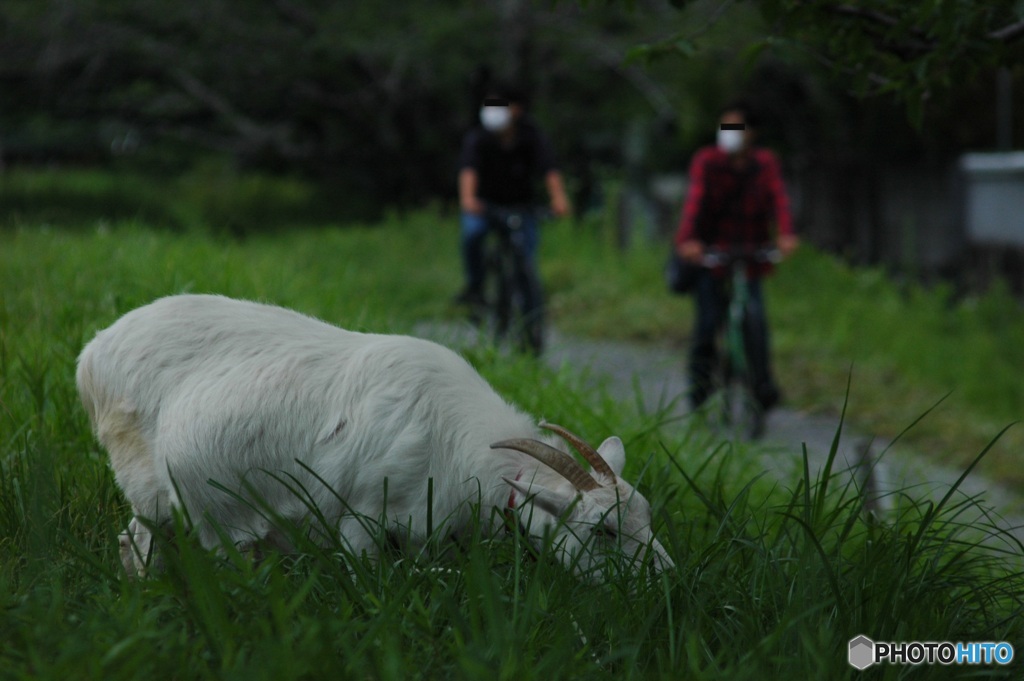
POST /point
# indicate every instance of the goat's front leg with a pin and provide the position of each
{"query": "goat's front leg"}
(137, 548)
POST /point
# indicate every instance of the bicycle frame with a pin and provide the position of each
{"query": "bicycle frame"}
(740, 407)
(515, 301)
(739, 297)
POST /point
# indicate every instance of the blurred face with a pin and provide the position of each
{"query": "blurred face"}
(495, 117)
(733, 141)
(499, 115)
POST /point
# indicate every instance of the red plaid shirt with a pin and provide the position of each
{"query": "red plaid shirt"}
(730, 208)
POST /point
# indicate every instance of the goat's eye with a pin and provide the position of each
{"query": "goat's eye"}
(602, 531)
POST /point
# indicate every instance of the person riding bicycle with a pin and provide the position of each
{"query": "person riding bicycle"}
(501, 161)
(736, 193)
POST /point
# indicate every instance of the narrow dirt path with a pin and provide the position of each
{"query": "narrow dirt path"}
(658, 373)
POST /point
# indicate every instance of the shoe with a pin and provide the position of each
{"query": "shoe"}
(769, 396)
(469, 297)
(697, 399)
(757, 428)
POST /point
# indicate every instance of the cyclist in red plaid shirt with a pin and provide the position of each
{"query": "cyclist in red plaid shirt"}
(736, 196)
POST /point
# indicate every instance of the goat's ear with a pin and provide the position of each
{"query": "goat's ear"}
(612, 451)
(542, 497)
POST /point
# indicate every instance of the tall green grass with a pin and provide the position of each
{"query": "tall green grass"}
(772, 579)
(908, 346)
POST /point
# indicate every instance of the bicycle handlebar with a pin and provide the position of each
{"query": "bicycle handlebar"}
(725, 258)
(503, 212)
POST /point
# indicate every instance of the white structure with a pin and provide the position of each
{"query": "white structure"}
(193, 395)
(994, 199)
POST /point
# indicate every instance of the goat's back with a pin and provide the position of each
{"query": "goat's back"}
(194, 388)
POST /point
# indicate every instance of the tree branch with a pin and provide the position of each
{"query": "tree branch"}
(1008, 34)
(859, 12)
(296, 15)
(920, 43)
(254, 133)
(614, 59)
(1005, 34)
(716, 14)
(875, 78)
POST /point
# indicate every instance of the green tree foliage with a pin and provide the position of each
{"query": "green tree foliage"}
(911, 50)
(353, 89)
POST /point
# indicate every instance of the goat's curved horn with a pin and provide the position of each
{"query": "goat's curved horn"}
(588, 452)
(561, 462)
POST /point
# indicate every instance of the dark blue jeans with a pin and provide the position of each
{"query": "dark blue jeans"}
(712, 306)
(474, 231)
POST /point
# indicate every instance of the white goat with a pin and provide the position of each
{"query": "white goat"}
(194, 389)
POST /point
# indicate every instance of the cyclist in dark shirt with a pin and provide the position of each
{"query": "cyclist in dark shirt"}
(500, 164)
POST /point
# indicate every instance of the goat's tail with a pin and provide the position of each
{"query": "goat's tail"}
(87, 387)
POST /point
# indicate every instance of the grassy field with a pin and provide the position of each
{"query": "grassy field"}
(772, 578)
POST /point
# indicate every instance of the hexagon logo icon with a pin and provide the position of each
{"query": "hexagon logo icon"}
(862, 652)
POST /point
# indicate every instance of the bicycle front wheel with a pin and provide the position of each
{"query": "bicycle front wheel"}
(742, 414)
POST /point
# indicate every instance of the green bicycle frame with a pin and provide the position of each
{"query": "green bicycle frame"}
(738, 298)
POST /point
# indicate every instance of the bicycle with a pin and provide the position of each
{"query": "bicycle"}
(741, 410)
(512, 304)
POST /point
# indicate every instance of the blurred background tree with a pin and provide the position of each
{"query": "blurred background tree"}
(372, 99)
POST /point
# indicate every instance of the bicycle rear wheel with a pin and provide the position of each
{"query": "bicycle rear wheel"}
(502, 302)
(508, 318)
(514, 304)
(528, 311)
(741, 412)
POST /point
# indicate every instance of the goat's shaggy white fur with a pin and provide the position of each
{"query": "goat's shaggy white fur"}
(263, 401)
